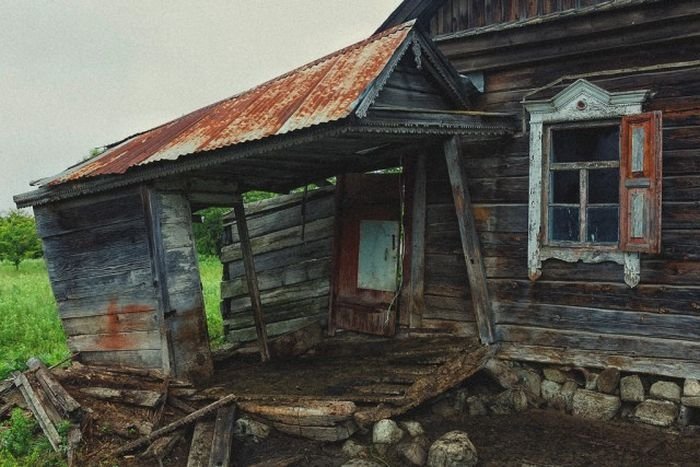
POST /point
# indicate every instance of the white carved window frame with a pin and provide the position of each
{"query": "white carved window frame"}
(582, 101)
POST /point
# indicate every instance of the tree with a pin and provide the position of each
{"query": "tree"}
(18, 238)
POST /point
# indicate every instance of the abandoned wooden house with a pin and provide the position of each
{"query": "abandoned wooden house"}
(544, 202)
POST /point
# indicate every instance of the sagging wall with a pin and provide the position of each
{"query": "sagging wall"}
(98, 254)
(291, 238)
(579, 313)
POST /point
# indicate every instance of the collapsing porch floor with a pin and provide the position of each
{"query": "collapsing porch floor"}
(377, 377)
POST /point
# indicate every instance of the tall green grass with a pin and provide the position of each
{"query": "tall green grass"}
(29, 323)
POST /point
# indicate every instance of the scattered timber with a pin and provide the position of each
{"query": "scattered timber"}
(58, 396)
(308, 413)
(136, 397)
(39, 410)
(200, 448)
(222, 442)
(161, 448)
(280, 462)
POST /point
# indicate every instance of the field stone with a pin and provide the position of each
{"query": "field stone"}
(453, 449)
(595, 406)
(353, 449)
(608, 380)
(691, 388)
(592, 381)
(665, 390)
(566, 395)
(386, 432)
(631, 389)
(412, 428)
(247, 427)
(693, 401)
(509, 401)
(555, 375)
(550, 390)
(413, 452)
(659, 413)
(476, 406)
(531, 381)
(684, 415)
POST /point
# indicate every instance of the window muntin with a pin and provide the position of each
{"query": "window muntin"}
(583, 175)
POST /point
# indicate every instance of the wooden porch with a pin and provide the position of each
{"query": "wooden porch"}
(347, 381)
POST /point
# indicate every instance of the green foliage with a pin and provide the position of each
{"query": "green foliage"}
(22, 443)
(29, 322)
(208, 234)
(210, 269)
(18, 238)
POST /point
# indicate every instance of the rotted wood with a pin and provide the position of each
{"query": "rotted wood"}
(221, 445)
(39, 410)
(58, 396)
(249, 264)
(416, 303)
(200, 448)
(306, 413)
(161, 448)
(177, 403)
(476, 270)
(140, 398)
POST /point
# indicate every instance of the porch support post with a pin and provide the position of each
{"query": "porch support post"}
(251, 278)
(470, 240)
(416, 300)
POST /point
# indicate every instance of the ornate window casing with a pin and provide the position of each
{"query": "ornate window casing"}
(582, 106)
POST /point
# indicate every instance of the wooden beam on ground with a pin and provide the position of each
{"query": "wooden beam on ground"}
(252, 279)
(58, 396)
(200, 449)
(470, 240)
(221, 445)
(135, 397)
(416, 302)
(38, 409)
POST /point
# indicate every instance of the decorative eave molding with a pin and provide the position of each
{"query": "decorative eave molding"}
(581, 101)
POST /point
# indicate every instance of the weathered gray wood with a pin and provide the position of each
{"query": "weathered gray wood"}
(281, 277)
(288, 256)
(308, 413)
(58, 396)
(221, 445)
(249, 263)
(137, 397)
(416, 304)
(106, 323)
(200, 448)
(289, 294)
(139, 340)
(135, 358)
(470, 241)
(276, 329)
(38, 409)
(331, 434)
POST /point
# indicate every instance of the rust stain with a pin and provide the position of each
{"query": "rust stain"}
(116, 337)
(323, 91)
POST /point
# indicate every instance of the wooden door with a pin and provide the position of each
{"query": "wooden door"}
(368, 253)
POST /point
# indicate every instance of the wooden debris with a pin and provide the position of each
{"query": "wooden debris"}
(200, 448)
(6, 409)
(188, 420)
(180, 405)
(125, 396)
(308, 413)
(75, 436)
(38, 409)
(338, 432)
(280, 462)
(58, 396)
(161, 448)
(296, 343)
(221, 446)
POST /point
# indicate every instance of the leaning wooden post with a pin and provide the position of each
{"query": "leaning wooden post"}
(470, 240)
(251, 278)
(416, 303)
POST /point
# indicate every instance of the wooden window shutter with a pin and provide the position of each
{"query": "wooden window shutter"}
(640, 183)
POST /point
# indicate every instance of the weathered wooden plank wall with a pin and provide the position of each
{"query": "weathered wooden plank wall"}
(585, 309)
(459, 15)
(98, 257)
(291, 238)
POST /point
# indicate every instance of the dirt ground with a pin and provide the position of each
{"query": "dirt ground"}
(532, 438)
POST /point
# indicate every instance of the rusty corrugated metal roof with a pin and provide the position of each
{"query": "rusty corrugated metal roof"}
(323, 91)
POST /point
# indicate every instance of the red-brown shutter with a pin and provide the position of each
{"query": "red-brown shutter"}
(640, 183)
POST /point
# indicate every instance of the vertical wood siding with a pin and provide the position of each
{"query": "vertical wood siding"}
(291, 243)
(98, 258)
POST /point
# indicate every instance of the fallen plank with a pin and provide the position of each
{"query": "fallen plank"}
(222, 441)
(136, 397)
(188, 420)
(161, 448)
(280, 462)
(38, 409)
(75, 436)
(180, 405)
(339, 432)
(56, 393)
(200, 448)
(305, 413)
(442, 379)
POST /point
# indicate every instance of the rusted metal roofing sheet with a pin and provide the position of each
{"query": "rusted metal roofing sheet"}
(323, 91)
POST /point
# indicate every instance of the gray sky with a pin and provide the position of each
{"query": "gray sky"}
(75, 74)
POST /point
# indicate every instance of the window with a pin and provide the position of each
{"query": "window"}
(595, 179)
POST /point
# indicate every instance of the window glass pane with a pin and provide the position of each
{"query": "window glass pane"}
(564, 224)
(565, 187)
(603, 225)
(604, 186)
(586, 144)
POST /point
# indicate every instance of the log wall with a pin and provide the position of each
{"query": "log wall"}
(98, 254)
(291, 238)
(581, 313)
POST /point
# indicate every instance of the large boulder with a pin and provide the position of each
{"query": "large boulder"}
(665, 390)
(659, 413)
(386, 432)
(595, 406)
(453, 449)
(631, 389)
(509, 401)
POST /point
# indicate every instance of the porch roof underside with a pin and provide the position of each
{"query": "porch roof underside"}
(281, 163)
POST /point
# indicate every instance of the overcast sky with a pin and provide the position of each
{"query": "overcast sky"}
(76, 74)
